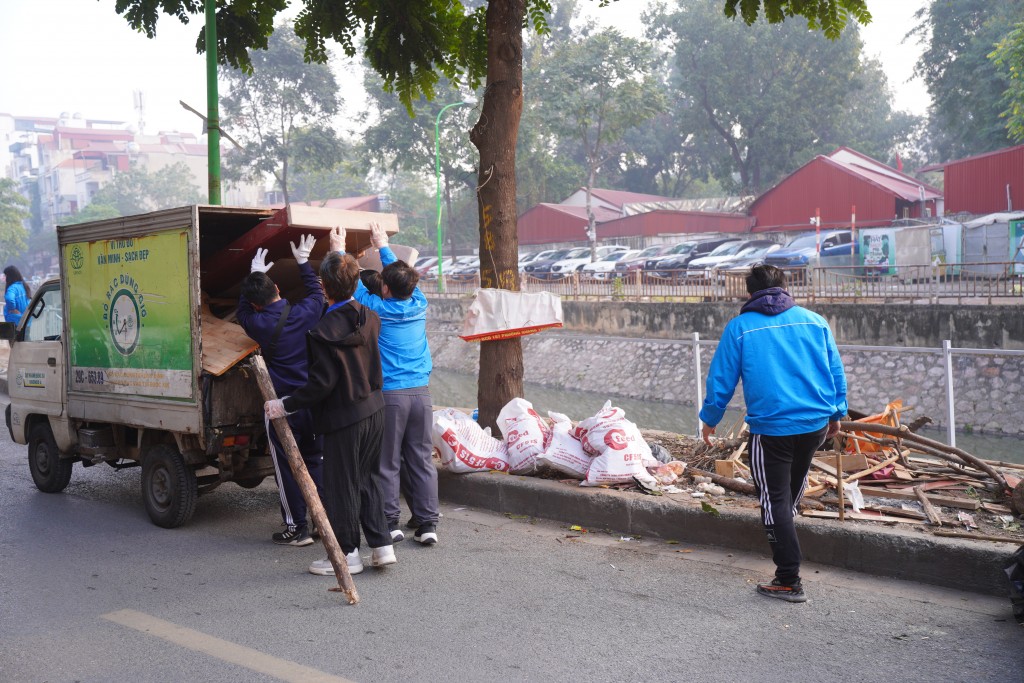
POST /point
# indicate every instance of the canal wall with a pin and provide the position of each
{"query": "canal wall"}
(603, 348)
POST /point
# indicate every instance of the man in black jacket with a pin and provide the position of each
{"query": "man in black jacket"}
(343, 391)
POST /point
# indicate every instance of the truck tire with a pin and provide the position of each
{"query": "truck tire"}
(169, 488)
(50, 472)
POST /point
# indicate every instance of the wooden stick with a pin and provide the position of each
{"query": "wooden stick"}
(839, 486)
(739, 451)
(882, 465)
(940, 449)
(980, 537)
(944, 501)
(929, 509)
(724, 482)
(308, 488)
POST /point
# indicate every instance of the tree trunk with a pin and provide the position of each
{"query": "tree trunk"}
(451, 224)
(494, 135)
(591, 221)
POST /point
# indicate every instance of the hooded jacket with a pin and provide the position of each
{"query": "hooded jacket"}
(793, 378)
(345, 379)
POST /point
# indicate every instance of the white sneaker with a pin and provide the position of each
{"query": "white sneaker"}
(383, 556)
(325, 568)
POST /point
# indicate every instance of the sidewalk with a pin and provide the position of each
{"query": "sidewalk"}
(905, 552)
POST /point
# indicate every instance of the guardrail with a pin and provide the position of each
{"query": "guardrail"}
(943, 283)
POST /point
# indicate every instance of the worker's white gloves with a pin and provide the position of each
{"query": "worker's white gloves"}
(259, 262)
(305, 248)
(378, 238)
(275, 409)
(337, 239)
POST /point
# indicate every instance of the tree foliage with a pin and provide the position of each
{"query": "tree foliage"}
(137, 191)
(1009, 58)
(828, 16)
(13, 213)
(280, 111)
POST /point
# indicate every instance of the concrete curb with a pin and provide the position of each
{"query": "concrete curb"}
(975, 566)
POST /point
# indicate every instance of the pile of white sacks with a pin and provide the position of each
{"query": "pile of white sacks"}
(600, 450)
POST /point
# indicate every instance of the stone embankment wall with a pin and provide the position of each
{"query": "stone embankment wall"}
(988, 389)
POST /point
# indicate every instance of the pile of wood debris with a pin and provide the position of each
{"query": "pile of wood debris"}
(893, 474)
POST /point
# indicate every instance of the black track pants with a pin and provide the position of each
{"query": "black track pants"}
(779, 465)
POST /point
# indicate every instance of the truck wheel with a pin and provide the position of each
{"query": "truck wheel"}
(50, 472)
(169, 487)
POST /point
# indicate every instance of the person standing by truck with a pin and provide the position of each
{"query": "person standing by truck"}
(794, 387)
(280, 329)
(343, 392)
(406, 458)
(16, 295)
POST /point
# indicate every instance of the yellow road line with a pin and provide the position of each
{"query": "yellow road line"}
(224, 650)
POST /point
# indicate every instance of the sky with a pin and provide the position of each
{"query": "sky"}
(80, 56)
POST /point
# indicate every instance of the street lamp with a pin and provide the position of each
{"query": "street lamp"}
(437, 172)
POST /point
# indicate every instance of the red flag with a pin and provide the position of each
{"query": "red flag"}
(899, 162)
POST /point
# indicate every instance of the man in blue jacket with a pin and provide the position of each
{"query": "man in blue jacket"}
(280, 329)
(406, 462)
(794, 387)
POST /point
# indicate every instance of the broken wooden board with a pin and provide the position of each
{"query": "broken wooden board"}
(224, 344)
(852, 462)
(731, 468)
(961, 503)
(860, 516)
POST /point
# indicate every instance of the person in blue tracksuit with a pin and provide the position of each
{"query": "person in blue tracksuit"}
(406, 462)
(283, 344)
(794, 387)
(16, 295)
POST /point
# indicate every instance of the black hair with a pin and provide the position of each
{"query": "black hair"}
(401, 279)
(339, 273)
(259, 289)
(12, 275)
(372, 282)
(765, 277)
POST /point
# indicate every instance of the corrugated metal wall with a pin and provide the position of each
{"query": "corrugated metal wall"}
(978, 185)
(821, 185)
(546, 225)
(674, 222)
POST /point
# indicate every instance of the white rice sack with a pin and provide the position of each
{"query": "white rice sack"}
(564, 453)
(464, 447)
(519, 408)
(610, 429)
(524, 442)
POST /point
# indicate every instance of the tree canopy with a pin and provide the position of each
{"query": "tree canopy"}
(13, 212)
(137, 191)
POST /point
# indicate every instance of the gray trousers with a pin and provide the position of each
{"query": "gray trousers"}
(406, 464)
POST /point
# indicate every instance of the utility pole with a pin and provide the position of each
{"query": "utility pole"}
(212, 104)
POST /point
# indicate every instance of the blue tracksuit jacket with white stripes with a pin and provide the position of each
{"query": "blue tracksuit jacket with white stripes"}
(786, 357)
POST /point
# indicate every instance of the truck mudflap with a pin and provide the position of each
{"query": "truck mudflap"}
(7, 418)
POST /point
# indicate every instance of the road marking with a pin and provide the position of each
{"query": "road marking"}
(227, 651)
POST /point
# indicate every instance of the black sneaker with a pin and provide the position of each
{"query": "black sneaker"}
(293, 535)
(397, 535)
(413, 523)
(777, 589)
(426, 534)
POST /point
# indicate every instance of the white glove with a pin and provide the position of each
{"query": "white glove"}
(378, 238)
(275, 409)
(302, 252)
(259, 262)
(337, 239)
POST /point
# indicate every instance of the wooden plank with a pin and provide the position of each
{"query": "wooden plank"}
(961, 503)
(860, 516)
(852, 462)
(224, 344)
(976, 537)
(874, 468)
(929, 509)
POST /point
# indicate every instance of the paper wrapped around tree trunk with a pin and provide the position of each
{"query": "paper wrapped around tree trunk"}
(503, 314)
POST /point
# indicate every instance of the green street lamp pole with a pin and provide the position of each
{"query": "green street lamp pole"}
(212, 108)
(437, 172)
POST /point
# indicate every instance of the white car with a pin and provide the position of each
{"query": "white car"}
(604, 268)
(580, 257)
(699, 268)
(535, 256)
(745, 260)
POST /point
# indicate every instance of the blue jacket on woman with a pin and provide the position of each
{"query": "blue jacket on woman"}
(15, 302)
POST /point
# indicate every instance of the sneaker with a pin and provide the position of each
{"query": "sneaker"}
(383, 556)
(397, 535)
(426, 534)
(777, 589)
(293, 535)
(413, 523)
(325, 568)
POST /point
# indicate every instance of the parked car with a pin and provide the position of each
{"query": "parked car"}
(625, 266)
(535, 256)
(423, 263)
(449, 264)
(700, 268)
(744, 261)
(675, 265)
(574, 263)
(541, 267)
(466, 270)
(681, 249)
(802, 249)
(604, 268)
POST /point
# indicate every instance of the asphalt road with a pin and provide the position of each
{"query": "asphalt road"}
(91, 591)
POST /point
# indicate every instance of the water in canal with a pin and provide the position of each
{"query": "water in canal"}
(459, 390)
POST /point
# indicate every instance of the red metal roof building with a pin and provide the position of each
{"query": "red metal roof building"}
(555, 223)
(666, 222)
(833, 185)
(986, 183)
